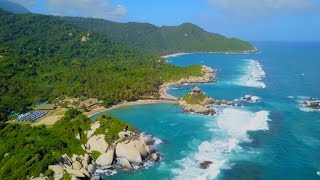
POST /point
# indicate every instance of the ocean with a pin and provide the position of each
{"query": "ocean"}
(275, 138)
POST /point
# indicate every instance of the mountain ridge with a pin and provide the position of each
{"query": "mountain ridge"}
(186, 37)
(13, 7)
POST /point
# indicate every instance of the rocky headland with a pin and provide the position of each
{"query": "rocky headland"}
(208, 75)
(132, 150)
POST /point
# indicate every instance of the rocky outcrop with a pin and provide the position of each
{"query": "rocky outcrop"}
(128, 151)
(125, 164)
(97, 143)
(196, 108)
(132, 148)
(205, 164)
(312, 104)
(208, 76)
(106, 159)
(251, 99)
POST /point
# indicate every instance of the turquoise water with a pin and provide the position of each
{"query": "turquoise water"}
(272, 139)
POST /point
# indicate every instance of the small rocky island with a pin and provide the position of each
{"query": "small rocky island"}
(312, 104)
(198, 102)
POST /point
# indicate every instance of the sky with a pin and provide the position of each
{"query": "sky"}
(252, 20)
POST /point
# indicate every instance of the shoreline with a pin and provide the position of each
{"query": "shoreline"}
(208, 76)
(255, 50)
(131, 103)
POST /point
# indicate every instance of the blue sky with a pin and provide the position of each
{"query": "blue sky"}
(254, 20)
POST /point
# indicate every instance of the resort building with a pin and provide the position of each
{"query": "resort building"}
(89, 102)
(196, 90)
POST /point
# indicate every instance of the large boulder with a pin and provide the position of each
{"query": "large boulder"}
(106, 159)
(149, 149)
(129, 152)
(155, 157)
(97, 143)
(76, 173)
(57, 170)
(139, 145)
(148, 140)
(125, 164)
(76, 165)
(208, 101)
(91, 168)
(124, 134)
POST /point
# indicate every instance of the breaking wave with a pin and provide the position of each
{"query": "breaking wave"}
(232, 126)
(253, 75)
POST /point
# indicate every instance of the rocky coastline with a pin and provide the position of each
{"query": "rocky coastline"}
(209, 75)
(133, 150)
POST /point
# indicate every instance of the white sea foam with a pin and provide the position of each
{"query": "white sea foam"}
(233, 124)
(253, 75)
(174, 55)
(303, 101)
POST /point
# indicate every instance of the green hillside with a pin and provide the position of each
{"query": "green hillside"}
(163, 40)
(43, 57)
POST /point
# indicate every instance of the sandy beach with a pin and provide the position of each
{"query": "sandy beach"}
(123, 104)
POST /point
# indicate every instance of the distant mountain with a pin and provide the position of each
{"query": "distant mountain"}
(13, 7)
(163, 40)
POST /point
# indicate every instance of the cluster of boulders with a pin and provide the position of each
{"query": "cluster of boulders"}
(204, 106)
(251, 99)
(196, 108)
(131, 150)
(208, 76)
(312, 104)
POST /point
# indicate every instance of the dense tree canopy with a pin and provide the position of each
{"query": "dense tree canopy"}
(162, 40)
(28, 151)
(43, 57)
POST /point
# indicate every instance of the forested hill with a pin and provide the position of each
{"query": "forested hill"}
(164, 40)
(43, 57)
(13, 7)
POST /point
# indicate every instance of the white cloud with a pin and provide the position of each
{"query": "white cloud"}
(256, 8)
(86, 8)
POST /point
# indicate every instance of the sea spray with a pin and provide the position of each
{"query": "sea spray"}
(229, 128)
(253, 74)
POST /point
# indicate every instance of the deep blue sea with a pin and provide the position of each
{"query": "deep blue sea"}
(275, 138)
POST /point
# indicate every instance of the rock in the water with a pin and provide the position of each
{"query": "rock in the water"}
(205, 164)
(155, 157)
(106, 159)
(149, 149)
(124, 163)
(97, 143)
(312, 104)
(129, 152)
(148, 140)
(252, 99)
(57, 170)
